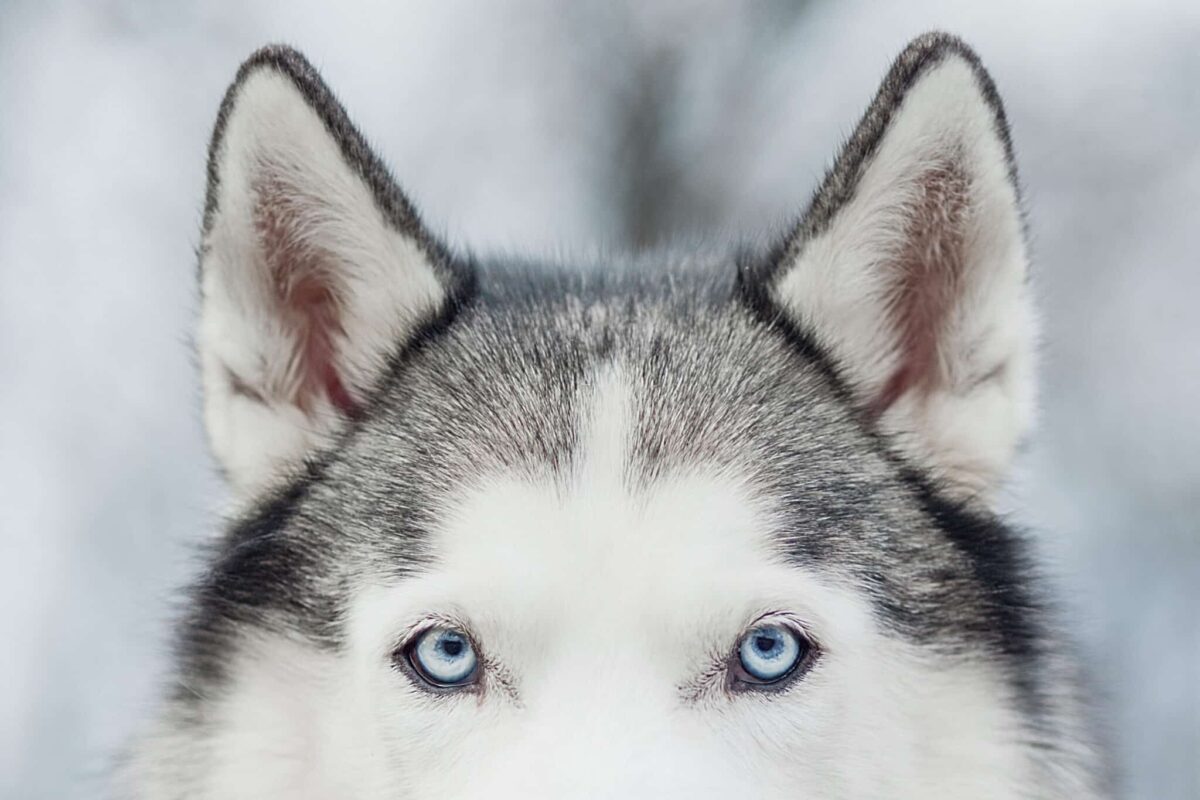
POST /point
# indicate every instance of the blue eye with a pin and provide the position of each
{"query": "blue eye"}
(444, 657)
(771, 652)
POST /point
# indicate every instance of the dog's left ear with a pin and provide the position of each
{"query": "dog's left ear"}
(315, 271)
(909, 269)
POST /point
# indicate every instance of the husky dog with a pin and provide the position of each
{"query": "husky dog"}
(717, 528)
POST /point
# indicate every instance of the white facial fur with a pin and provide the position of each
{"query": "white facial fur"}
(603, 617)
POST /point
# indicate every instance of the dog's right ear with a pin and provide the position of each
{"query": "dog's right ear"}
(315, 271)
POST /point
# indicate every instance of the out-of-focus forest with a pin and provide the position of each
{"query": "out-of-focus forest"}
(558, 128)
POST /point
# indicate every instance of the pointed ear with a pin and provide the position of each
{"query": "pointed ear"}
(909, 269)
(315, 271)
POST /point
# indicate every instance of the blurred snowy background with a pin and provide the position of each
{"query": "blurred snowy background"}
(565, 128)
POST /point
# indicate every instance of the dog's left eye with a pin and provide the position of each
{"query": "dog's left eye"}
(444, 658)
(769, 653)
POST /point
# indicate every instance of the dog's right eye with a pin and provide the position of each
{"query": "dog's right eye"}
(444, 658)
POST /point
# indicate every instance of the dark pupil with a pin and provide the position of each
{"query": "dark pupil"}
(452, 647)
(765, 644)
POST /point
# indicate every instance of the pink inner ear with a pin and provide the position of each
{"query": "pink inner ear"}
(929, 273)
(315, 310)
(308, 304)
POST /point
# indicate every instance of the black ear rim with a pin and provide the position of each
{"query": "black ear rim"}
(842, 179)
(457, 278)
(917, 59)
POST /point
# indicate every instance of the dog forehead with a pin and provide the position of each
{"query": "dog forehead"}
(598, 543)
(512, 388)
(597, 536)
(609, 431)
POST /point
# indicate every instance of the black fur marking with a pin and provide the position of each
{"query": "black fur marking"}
(1013, 612)
(1002, 566)
(253, 569)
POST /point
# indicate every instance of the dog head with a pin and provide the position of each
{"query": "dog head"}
(698, 531)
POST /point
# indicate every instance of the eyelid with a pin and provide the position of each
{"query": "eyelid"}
(427, 623)
(787, 619)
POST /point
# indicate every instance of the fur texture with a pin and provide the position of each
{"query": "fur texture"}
(606, 479)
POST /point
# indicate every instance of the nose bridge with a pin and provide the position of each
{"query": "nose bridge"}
(613, 707)
(599, 743)
(598, 762)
